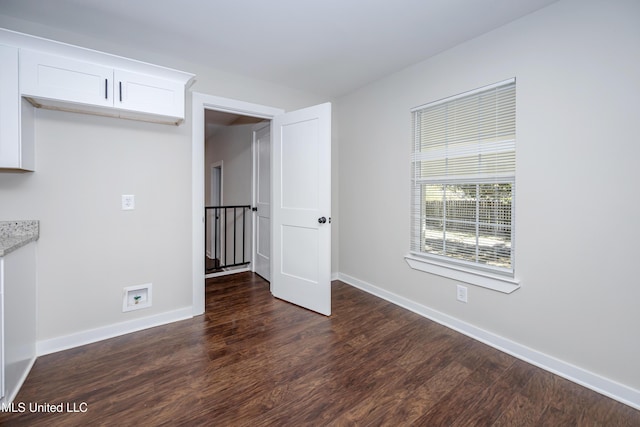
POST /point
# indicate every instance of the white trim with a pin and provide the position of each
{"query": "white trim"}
(212, 166)
(227, 272)
(105, 332)
(462, 274)
(615, 390)
(217, 245)
(197, 201)
(199, 103)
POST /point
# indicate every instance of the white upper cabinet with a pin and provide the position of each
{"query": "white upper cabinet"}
(41, 73)
(148, 94)
(57, 78)
(16, 117)
(53, 81)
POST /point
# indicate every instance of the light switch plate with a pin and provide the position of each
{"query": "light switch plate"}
(461, 293)
(128, 202)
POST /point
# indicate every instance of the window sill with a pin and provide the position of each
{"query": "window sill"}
(461, 274)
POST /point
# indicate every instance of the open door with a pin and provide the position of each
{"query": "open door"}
(262, 201)
(301, 208)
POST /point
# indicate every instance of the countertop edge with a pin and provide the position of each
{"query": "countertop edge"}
(16, 234)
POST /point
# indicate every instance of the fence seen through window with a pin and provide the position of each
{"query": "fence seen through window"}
(470, 222)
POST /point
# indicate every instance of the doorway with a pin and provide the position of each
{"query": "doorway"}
(203, 104)
(212, 234)
(261, 250)
(230, 183)
(216, 183)
(300, 253)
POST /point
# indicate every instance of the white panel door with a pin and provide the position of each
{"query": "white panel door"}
(301, 208)
(262, 201)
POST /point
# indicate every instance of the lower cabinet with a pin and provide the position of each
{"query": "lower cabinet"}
(18, 318)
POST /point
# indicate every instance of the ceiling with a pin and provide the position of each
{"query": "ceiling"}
(327, 47)
(214, 120)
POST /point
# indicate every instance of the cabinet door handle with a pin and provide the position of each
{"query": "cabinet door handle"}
(120, 86)
(106, 89)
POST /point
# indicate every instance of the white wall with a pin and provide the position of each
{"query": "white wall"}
(232, 146)
(89, 249)
(577, 64)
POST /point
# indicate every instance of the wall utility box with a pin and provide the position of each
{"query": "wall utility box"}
(136, 297)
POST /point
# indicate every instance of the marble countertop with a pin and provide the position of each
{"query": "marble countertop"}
(15, 234)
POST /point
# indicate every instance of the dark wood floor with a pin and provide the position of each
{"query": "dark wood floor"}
(253, 360)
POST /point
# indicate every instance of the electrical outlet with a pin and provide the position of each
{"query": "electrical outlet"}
(128, 202)
(461, 294)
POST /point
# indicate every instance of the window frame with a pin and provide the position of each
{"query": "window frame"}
(474, 272)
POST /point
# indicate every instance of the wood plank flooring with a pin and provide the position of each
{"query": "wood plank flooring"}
(253, 360)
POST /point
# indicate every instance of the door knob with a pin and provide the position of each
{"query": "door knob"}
(322, 220)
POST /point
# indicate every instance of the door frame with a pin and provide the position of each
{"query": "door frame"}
(199, 103)
(216, 176)
(219, 165)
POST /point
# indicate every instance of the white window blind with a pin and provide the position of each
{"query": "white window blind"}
(463, 181)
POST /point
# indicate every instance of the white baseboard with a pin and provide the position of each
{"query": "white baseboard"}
(98, 334)
(595, 382)
(227, 272)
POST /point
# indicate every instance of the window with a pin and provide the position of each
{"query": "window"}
(463, 181)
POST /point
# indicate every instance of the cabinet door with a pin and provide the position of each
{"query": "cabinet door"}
(9, 108)
(147, 94)
(64, 79)
(16, 117)
(18, 270)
